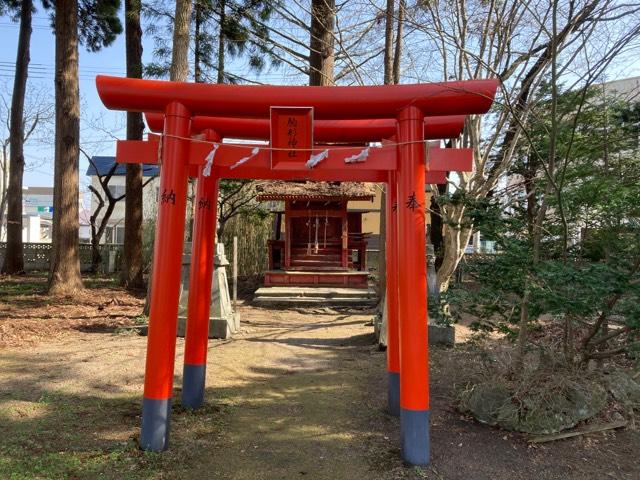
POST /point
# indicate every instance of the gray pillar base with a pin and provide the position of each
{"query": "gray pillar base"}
(193, 380)
(414, 430)
(156, 417)
(393, 393)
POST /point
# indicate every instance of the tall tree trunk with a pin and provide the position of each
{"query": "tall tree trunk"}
(529, 175)
(64, 277)
(435, 233)
(179, 71)
(455, 239)
(14, 259)
(197, 41)
(198, 55)
(133, 267)
(221, 45)
(398, 54)
(4, 180)
(388, 43)
(388, 80)
(321, 57)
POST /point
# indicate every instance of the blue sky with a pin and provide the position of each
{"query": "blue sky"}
(111, 60)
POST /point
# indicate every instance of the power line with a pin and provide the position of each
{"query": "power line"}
(51, 77)
(41, 68)
(35, 27)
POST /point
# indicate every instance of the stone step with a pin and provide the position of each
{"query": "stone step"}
(312, 301)
(316, 277)
(316, 292)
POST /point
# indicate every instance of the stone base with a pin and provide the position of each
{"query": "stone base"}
(442, 335)
(218, 327)
(380, 325)
(438, 334)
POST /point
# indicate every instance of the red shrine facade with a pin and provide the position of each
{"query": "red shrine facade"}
(316, 240)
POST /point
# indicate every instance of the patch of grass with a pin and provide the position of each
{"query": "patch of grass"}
(76, 440)
(11, 288)
(96, 437)
(126, 461)
(141, 320)
(383, 459)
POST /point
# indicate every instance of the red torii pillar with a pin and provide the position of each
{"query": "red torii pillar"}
(200, 279)
(414, 349)
(393, 341)
(165, 287)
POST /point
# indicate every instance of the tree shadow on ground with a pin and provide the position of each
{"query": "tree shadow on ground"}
(323, 343)
(317, 415)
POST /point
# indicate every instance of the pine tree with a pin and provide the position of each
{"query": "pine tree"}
(14, 259)
(132, 265)
(95, 24)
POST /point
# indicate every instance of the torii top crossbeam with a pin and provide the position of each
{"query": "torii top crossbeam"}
(255, 101)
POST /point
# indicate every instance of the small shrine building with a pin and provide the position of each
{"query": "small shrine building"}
(316, 240)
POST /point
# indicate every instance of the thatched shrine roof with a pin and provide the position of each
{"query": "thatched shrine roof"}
(315, 191)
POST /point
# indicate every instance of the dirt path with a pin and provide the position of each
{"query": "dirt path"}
(293, 390)
(286, 399)
(296, 395)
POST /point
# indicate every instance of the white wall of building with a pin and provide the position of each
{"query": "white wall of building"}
(31, 229)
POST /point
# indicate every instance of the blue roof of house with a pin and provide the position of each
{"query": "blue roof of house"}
(104, 164)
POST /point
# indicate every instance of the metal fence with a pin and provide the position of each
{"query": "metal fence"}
(37, 256)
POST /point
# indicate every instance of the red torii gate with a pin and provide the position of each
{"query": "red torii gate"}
(195, 108)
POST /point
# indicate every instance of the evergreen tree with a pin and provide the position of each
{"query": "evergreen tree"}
(14, 259)
(133, 265)
(95, 24)
(221, 28)
(588, 266)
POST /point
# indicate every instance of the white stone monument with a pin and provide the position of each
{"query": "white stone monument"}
(223, 321)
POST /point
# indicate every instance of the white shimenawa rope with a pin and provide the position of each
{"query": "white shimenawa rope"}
(254, 152)
(316, 159)
(384, 143)
(209, 160)
(359, 157)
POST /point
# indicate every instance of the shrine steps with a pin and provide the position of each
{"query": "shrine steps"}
(314, 296)
(318, 277)
(318, 264)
